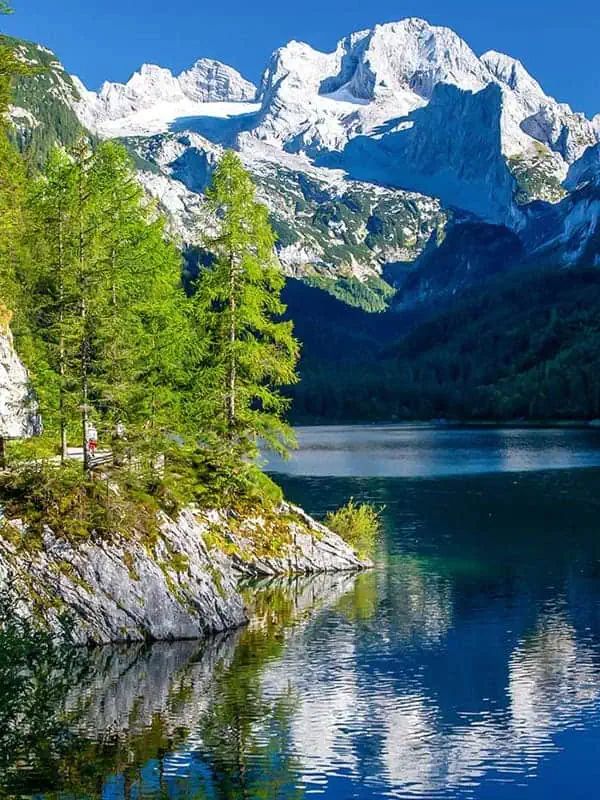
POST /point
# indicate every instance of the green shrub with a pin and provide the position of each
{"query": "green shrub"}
(75, 505)
(358, 525)
(224, 480)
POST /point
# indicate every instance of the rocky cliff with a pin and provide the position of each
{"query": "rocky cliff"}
(182, 584)
(18, 413)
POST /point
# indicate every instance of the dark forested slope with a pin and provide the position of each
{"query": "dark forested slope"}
(522, 345)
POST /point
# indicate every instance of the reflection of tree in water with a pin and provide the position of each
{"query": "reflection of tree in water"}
(36, 674)
(360, 604)
(246, 738)
(189, 719)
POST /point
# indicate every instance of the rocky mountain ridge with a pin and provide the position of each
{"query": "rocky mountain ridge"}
(364, 155)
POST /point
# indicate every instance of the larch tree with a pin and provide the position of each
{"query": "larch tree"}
(12, 192)
(107, 307)
(144, 323)
(51, 297)
(251, 353)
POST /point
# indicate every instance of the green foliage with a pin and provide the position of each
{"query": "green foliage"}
(358, 525)
(249, 354)
(36, 674)
(107, 324)
(43, 89)
(372, 295)
(12, 184)
(523, 345)
(75, 505)
(535, 174)
(284, 231)
(224, 479)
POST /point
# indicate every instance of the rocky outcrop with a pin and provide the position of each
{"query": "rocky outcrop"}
(313, 549)
(184, 584)
(18, 411)
(450, 149)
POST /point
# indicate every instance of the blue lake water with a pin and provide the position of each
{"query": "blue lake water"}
(465, 665)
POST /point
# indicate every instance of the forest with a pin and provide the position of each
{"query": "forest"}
(520, 346)
(173, 384)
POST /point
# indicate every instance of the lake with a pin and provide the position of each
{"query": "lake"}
(465, 665)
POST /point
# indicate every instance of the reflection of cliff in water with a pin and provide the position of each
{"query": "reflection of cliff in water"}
(149, 717)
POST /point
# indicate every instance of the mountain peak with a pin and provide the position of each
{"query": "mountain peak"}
(209, 80)
(510, 72)
(156, 88)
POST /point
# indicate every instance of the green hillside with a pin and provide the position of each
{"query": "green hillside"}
(43, 113)
(521, 346)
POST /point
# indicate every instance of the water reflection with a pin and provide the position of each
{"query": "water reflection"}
(421, 450)
(467, 665)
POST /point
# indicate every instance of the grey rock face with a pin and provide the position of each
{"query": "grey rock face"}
(314, 549)
(176, 587)
(18, 412)
(210, 81)
(450, 149)
(585, 170)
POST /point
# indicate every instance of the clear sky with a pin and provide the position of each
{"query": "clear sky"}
(558, 41)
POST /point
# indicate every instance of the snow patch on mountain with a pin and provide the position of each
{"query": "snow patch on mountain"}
(154, 97)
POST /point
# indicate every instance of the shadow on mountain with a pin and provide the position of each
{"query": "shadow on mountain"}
(220, 130)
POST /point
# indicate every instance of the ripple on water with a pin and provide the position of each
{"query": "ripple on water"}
(467, 665)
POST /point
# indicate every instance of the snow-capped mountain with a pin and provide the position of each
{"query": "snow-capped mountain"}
(377, 84)
(155, 97)
(363, 154)
(313, 100)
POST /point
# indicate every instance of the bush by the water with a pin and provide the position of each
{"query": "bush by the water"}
(357, 524)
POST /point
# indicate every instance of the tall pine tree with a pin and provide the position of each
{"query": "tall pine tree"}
(250, 352)
(106, 305)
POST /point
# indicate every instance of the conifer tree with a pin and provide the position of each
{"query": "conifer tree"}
(143, 325)
(250, 352)
(12, 175)
(51, 294)
(106, 303)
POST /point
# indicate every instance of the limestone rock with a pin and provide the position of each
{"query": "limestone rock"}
(179, 586)
(18, 410)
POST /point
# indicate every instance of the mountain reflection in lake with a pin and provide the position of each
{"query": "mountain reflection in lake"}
(466, 665)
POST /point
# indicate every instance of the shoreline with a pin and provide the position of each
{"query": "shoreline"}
(185, 584)
(456, 424)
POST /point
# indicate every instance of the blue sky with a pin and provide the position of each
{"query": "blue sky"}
(108, 39)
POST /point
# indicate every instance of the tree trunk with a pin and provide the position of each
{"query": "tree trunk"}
(2, 453)
(63, 417)
(84, 354)
(62, 354)
(232, 359)
(84, 395)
